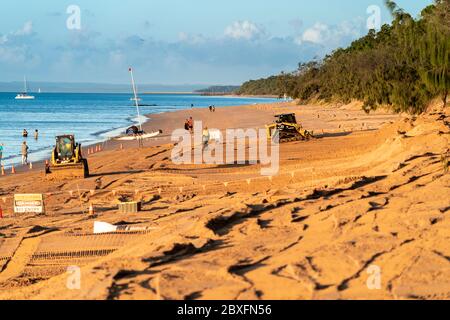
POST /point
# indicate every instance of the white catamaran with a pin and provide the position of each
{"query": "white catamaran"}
(24, 95)
(134, 132)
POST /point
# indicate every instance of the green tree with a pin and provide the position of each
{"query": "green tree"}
(434, 50)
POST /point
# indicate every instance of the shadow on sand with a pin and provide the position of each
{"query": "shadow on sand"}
(114, 173)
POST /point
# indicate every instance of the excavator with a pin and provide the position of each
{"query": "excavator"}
(67, 160)
(288, 129)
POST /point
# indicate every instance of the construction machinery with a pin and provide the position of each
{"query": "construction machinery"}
(288, 129)
(67, 160)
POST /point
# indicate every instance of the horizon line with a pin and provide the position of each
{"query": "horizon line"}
(118, 84)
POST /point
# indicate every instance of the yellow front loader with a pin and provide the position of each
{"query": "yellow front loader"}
(67, 160)
(288, 129)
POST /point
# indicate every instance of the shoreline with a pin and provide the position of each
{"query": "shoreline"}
(174, 119)
(102, 137)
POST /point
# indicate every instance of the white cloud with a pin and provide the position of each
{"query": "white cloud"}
(332, 36)
(246, 30)
(3, 39)
(15, 46)
(12, 55)
(27, 29)
(316, 34)
(296, 24)
(117, 57)
(191, 39)
(245, 50)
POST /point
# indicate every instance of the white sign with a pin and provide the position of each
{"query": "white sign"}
(29, 203)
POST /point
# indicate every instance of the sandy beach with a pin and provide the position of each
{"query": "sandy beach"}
(369, 195)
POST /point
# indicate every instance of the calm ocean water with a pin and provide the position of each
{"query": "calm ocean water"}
(91, 117)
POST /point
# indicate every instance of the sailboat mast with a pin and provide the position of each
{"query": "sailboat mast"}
(136, 98)
(25, 84)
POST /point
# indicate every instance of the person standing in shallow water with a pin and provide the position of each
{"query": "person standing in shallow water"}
(24, 153)
(1, 153)
(36, 134)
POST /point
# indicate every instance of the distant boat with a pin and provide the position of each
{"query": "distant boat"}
(24, 95)
(136, 99)
(39, 91)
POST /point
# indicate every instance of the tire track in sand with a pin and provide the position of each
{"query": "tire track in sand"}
(20, 259)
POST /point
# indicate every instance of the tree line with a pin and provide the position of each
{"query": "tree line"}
(404, 66)
(219, 89)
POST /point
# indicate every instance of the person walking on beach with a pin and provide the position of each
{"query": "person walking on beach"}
(24, 153)
(191, 125)
(186, 125)
(1, 153)
(36, 134)
(206, 137)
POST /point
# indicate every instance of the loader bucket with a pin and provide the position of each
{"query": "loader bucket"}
(68, 171)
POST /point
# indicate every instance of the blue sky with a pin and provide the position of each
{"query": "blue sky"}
(176, 41)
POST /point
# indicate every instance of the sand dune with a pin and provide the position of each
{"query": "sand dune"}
(370, 194)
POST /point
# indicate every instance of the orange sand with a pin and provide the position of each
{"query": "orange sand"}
(370, 193)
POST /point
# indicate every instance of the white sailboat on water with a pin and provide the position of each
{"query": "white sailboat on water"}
(24, 95)
(134, 132)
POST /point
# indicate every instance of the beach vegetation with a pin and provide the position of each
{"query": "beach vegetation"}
(403, 66)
